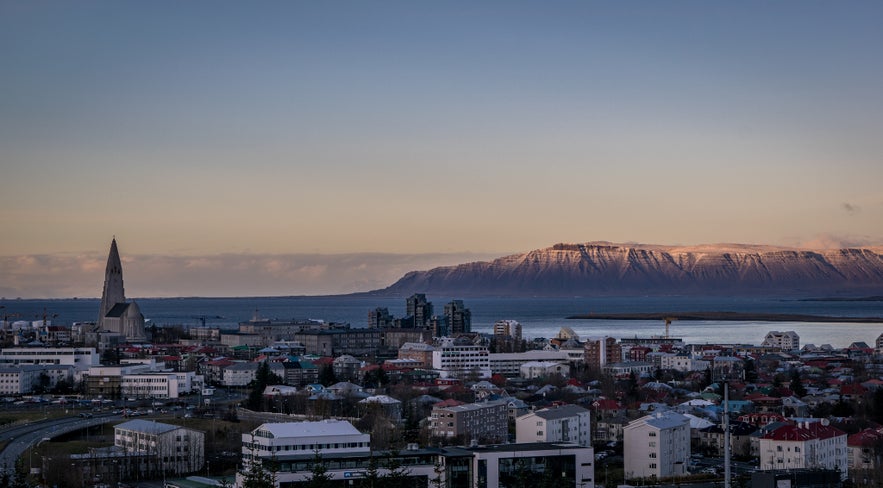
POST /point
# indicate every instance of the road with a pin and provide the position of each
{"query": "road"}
(23, 436)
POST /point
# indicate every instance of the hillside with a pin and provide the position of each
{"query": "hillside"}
(602, 268)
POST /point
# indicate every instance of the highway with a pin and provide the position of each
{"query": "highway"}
(23, 436)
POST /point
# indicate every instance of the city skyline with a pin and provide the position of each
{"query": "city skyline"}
(303, 148)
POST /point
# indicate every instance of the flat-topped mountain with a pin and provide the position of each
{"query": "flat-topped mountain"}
(603, 268)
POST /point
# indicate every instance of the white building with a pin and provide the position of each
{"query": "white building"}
(682, 362)
(786, 341)
(544, 369)
(804, 445)
(241, 374)
(508, 328)
(566, 423)
(169, 448)
(81, 358)
(162, 385)
(455, 360)
(509, 363)
(327, 437)
(657, 445)
(18, 380)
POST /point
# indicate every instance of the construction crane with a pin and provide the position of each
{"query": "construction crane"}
(668, 321)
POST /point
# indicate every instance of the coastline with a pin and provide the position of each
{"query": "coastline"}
(727, 316)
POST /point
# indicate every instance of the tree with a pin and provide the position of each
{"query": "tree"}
(263, 377)
(796, 385)
(438, 474)
(327, 376)
(397, 475)
(256, 475)
(319, 477)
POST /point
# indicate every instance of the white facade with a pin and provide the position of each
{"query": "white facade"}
(804, 445)
(509, 363)
(787, 341)
(328, 437)
(459, 361)
(160, 385)
(657, 445)
(682, 362)
(19, 380)
(544, 369)
(81, 358)
(567, 423)
(177, 449)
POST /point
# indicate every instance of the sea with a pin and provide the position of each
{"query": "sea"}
(540, 317)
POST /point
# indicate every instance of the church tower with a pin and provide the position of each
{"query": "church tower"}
(116, 315)
(113, 284)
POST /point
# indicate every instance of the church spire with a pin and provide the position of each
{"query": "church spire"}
(113, 292)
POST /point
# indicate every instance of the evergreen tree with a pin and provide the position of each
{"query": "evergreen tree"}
(319, 477)
(263, 377)
(397, 475)
(372, 478)
(327, 376)
(796, 385)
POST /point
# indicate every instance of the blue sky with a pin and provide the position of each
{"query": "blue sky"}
(457, 129)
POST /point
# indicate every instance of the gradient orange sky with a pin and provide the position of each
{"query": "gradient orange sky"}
(450, 130)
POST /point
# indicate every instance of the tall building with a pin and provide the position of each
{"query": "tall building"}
(416, 306)
(458, 317)
(508, 328)
(115, 314)
(379, 318)
(657, 445)
(601, 352)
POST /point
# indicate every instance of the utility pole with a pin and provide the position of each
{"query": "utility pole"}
(726, 433)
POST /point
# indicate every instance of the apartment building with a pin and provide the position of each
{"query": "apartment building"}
(804, 445)
(786, 341)
(657, 445)
(455, 359)
(565, 423)
(164, 448)
(484, 422)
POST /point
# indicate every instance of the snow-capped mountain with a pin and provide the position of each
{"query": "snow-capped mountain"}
(607, 268)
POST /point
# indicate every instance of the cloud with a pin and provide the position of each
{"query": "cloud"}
(834, 241)
(850, 208)
(63, 275)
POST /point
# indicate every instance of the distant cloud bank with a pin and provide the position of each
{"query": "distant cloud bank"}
(82, 275)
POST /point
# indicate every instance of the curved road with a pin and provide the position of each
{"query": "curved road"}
(23, 436)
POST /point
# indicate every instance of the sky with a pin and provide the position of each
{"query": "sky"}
(327, 147)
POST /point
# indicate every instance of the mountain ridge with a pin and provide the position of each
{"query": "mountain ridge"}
(606, 268)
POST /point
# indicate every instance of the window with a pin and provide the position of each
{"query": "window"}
(652, 434)
(652, 465)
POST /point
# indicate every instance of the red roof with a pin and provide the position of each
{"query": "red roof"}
(804, 432)
(606, 404)
(450, 402)
(853, 389)
(865, 438)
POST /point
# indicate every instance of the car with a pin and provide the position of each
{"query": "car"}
(86, 415)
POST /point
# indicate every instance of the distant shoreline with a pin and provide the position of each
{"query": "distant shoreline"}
(726, 316)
